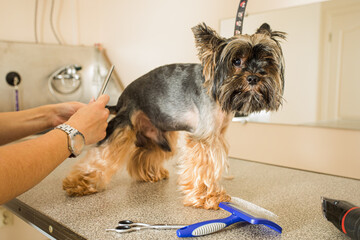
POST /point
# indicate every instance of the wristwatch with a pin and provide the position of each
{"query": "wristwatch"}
(76, 140)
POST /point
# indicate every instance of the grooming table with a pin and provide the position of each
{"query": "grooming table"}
(293, 195)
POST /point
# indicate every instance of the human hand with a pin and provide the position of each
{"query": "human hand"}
(63, 111)
(91, 120)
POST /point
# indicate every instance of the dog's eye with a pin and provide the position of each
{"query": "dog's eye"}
(262, 73)
(237, 62)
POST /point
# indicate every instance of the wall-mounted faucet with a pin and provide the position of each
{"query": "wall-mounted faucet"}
(14, 79)
(65, 80)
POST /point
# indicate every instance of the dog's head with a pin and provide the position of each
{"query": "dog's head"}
(243, 73)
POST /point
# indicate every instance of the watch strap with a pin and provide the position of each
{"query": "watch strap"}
(70, 131)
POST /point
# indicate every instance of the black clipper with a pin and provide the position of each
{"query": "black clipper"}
(344, 215)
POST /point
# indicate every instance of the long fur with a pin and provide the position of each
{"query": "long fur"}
(197, 100)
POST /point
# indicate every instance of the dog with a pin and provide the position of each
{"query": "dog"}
(244, 74)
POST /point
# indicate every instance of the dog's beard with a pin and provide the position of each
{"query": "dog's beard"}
(236, 95)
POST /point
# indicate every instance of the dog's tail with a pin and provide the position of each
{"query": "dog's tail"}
(115, 121)
(110, 128)
(112, 109)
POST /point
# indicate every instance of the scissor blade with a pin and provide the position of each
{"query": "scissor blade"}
(164, 226)
(106, 80)
(124, 230)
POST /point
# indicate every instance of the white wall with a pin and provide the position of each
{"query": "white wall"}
(137, 34)
(77, 22)
(257, 6)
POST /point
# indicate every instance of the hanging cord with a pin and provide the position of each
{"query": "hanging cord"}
(239, 20)
(51, 22)
(35, 21)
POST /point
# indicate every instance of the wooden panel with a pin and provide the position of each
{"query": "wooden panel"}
(324, 150)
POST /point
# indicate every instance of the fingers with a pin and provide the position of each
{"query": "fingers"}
(77, 105)
(91, 120)
(103, 99)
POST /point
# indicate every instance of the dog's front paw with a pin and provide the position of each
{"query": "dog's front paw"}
(210, 201)
(81, 184)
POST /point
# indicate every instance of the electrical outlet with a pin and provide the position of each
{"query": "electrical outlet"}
(6, 217)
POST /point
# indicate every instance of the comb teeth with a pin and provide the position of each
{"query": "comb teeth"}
(208, 228)
(253, 209)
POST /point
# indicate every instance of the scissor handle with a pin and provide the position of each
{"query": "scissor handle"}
(123, 229)
(130, 224)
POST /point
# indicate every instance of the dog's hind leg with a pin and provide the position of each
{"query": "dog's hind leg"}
(146, 162)
(92, 173)
(153, 147)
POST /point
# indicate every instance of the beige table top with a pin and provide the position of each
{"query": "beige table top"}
(293, 195)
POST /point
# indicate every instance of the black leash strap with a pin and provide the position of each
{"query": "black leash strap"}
(239, 20)
(240, 17)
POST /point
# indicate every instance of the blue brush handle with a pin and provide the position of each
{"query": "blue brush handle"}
(207, 227)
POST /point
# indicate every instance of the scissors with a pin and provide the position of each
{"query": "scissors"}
(105, 82)
(129, 226)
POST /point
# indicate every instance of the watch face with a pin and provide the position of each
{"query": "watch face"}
(77, 143)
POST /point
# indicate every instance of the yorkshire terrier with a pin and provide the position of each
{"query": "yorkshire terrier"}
(244, 74)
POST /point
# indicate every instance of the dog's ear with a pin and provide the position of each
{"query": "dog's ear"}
(275, 35)
(206, 38)
(264, 29)
(209, 45)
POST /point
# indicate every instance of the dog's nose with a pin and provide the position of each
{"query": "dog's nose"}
(252, 79)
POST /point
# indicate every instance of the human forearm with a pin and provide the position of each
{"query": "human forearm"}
(24, 164)
(38, 157)
(16, 125)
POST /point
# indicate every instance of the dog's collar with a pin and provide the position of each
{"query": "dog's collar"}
(240, 17)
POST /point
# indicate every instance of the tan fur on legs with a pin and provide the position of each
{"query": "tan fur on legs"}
(146, 163)
(153, 146)
(201, 167)
(92, 173)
